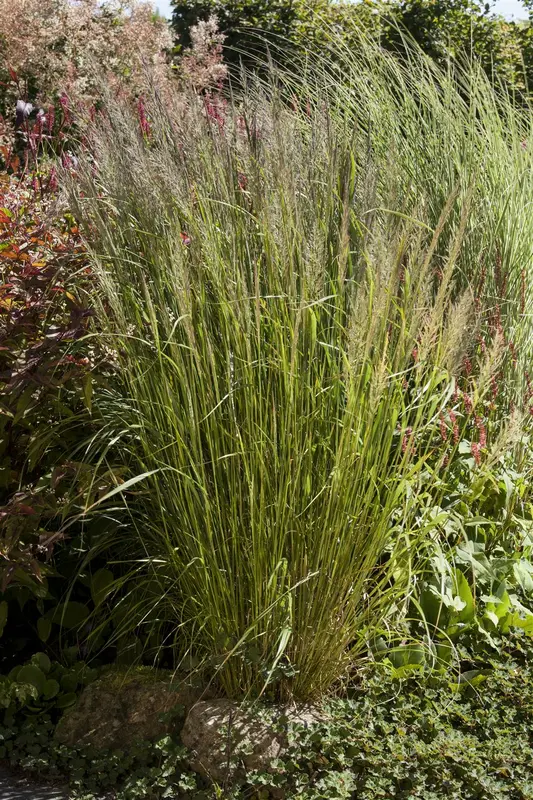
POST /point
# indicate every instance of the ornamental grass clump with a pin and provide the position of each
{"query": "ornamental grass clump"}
(288, 283)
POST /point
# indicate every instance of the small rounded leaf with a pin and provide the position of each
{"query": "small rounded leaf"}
(33, 676)
(42, 661)
(51, 689)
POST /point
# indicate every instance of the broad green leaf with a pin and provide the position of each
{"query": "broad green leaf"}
(432, 606)
(69, 615)
(44, 627)
(69, 682)
(101, 585)
(51, 689)
(491, 616)
(33, 676)
(526, 623)
(523, 571)
(42, 661)
(462, 589)
(473, 677)
(443, 653)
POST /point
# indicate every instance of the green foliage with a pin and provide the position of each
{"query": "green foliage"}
(443, 30)
(42, 372)
(148, 771)
(460, 28)
(242, 21)
(41, 687)
(433, 739)
(299, 271)
(477, 585)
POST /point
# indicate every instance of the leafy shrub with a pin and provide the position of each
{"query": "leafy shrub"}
(41, 687)
(46, 376)
(56, 46)
(443, 30)
(242, 21)
(43, 375)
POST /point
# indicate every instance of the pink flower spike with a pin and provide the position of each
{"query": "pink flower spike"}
(143, 119)
(50, 119)
(455, 426)
(52, 181)
(443, 428)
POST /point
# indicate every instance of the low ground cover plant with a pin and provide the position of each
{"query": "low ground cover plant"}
(414, 737)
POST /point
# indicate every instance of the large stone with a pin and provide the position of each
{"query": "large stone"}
(227, 739)
(125, 706)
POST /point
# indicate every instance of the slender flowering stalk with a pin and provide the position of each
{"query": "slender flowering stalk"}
(481, 431)
(407, 444)
(455, 395)
(65, 107)
(50, 119)
(143, 119)
(496, 320)
(480, 289)
(498, 270)
(52, 180)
